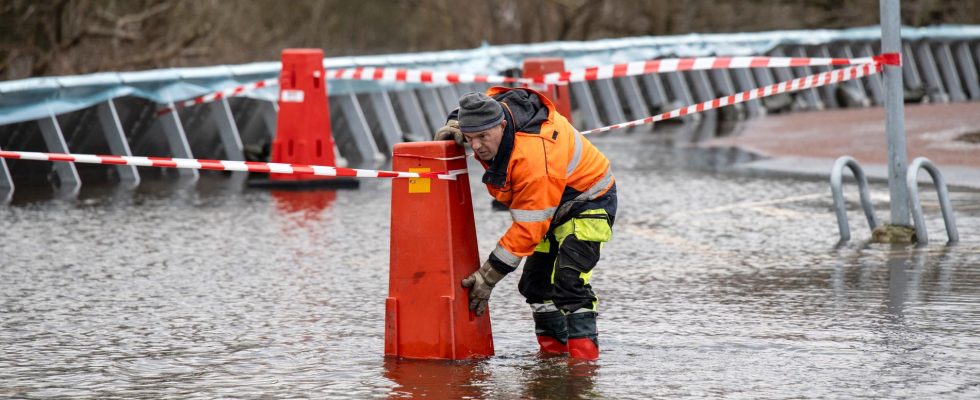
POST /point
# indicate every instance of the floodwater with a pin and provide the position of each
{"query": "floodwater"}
(716, 284)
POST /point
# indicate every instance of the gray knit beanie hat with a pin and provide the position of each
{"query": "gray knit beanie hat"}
(478, 112)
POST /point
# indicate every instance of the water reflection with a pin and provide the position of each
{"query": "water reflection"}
(560, 378)
(848, 256)
(946, 269)
(898, 283)
(906, 267)
(309, 203)
(437, 379)
(540, 377)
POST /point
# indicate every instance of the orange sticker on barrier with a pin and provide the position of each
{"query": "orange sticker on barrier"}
(419, 185)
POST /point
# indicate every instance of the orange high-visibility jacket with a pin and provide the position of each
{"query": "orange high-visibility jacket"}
(548, 172)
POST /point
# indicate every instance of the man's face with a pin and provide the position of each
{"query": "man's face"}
(485, 143)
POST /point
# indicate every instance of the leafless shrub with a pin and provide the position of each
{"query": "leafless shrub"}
(58, 37)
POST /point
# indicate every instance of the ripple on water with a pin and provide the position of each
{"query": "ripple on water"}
(715, 284)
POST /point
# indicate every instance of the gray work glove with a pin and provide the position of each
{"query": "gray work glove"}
(450, 132)
(481, 283)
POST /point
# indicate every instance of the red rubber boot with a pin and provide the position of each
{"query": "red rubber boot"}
(551, 331)
(550, 345)
(583, 337)
(583, 349)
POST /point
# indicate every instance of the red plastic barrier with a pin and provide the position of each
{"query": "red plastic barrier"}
(303, 128)
(558, 94)
(433, 247)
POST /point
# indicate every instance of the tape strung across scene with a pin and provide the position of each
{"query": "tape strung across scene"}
(434, 158)
(225, 165)
(579, 75)
(705, 63)
(816, 80)
(807, 82)
(362, 73)
(232, 91)
(416, 76)
(606, 71)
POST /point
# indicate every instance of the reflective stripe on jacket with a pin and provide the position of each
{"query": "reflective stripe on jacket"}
(552, 168)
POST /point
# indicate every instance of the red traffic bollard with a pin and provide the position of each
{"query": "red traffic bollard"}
(433, 247)
(303, 134)
(558, 94)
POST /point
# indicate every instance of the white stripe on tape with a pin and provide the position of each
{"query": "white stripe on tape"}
(704, 62)
(280, 168)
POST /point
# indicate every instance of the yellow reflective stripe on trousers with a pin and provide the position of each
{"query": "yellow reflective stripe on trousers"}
(588, 226)
(586, 276)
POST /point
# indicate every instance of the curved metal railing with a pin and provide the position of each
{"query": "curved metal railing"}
(836, 177)
(911, 180)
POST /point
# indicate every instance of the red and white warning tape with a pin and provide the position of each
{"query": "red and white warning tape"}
(434, 158)
(604, 72)
(225, 165)
(416, 76)
(704, 63)
(360, 73)
(219, 95)
(581, 75)
(812, 81)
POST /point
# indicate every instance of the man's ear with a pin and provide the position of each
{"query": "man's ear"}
(503, 123)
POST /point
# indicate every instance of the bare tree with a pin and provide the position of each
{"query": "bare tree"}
(58, 37)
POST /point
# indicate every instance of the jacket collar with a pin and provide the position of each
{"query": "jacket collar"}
(496, 173)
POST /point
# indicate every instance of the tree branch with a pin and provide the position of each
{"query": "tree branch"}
(169, 52)
(112, 33)
(140, 17)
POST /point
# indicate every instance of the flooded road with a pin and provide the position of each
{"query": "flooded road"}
(716, 284)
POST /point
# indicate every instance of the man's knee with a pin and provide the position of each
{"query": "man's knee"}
(573, 273)
(535, 283)
(578, 256)
(534, 291)
(572, 292)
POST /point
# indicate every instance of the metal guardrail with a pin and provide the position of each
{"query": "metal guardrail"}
(922, 236)
(367, 124)
(35, 98)
(836, 178)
